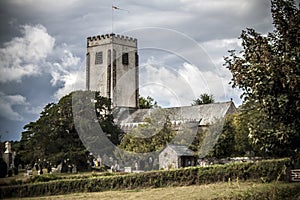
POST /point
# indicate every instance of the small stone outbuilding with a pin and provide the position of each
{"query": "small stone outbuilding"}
(176, 156)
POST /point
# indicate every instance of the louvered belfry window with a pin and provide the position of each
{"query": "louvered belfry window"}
(99, 58)
(125, 60)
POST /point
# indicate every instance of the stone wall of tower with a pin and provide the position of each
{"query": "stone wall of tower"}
(116, 80)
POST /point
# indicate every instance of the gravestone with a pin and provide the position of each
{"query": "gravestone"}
(8, 156)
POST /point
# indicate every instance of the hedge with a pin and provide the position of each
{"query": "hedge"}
(268, 170)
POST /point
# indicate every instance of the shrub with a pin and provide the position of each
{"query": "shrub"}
(9, 172)
(3, 168)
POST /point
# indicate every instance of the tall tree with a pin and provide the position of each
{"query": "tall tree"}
(53, 136)
(203, 99)
(268, 72)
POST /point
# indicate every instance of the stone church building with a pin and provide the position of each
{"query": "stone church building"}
(112, 68)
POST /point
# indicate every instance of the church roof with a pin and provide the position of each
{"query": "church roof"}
(204, 115)
(181, 150)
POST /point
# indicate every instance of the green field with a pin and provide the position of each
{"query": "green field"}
(224, 190)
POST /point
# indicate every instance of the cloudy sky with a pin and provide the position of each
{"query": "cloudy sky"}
(181, 46)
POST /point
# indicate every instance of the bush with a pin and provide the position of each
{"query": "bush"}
(269, 170)
(3, 168)
(44, 178)
(9, 172)
(16, 171)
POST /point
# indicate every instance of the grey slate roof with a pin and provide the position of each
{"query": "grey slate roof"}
(181, 150)
(204, 115)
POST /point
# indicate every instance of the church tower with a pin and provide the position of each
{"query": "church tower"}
(112, 68)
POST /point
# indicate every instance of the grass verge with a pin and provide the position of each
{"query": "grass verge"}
(221, 190)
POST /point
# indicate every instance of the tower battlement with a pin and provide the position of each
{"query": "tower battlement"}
(112, 35)
(100, 39)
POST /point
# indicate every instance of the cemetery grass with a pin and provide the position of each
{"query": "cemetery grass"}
(23, 178)
(221, 190)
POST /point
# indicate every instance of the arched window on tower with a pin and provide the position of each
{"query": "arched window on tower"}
(114, 69)
(136, 59)
(108, 73)
(87, 84)
(136, 79)
(99, 58)
(125, 59)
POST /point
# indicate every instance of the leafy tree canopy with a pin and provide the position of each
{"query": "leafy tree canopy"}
(153, 135)
(268, 72)
(203, 99)
(146, 103)
(53, 136)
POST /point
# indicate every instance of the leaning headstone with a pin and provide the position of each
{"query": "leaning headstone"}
(59, 168)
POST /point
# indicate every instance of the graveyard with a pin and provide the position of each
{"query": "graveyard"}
(268, 178)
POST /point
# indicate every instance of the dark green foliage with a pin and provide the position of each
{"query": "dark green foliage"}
(234, 141)
(268, 72)
(3, 168)
(53, 136)
(2, 146)
(152, 136)
(44, 178)
(226, 144)
(16, 171)
(198, 140)
(204, 99)
(9, 172)
(270, 170)
(146, 103)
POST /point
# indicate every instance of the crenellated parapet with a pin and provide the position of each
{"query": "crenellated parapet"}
(108, 38)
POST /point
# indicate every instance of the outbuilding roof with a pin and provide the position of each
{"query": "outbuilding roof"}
(181, 150)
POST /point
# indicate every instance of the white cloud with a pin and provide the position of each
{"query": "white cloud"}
(71, 81)
(6, 106)
(170, 86)
(31, 55)
(22, 56)
(70, 72)
(179, 87)
(218, 48)
(69, 60)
